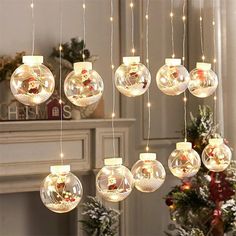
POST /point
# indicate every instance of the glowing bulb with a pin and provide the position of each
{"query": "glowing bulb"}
(60, 101)
(147, 60)
(185, 99)
(112, 67)
(147, 148)
(113, 115)
(61, 155)
(184, 18)
(131, 5)
(213, 23)
(146, 16)
(203, 57)
(148, 104)
(111, 19)
(214, 60)
(133, 50)
(215, 98)
(200, 18)
(171, 14)
(60, 48)
(32, 5)
(183, 58)
(173, 55)
(84, 6)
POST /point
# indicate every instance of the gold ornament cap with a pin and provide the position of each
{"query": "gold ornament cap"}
(216, 141)
(147, 156)
(79, 66)
(32, 60)
(184, 146)
(203, 66)
(173, 61)
(113, 161)
(60, 169)
(129, 60)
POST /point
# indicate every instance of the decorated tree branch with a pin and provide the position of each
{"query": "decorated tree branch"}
(204, 205)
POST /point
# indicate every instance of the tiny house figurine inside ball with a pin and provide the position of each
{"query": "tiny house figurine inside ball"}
(149, 174)
(132, 78)
(114, 181)
(61, 191)
(216, 156)
(32, 83)
(203, 81)
(172, 78)
(184, 162)
(83, 86)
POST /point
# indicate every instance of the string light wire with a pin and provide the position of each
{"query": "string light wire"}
(84, 27)
(33, 26)
(172, 28)
(201, 30)
(147, 63)
(132, 26)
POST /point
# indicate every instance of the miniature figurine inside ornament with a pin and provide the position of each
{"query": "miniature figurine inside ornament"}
(132, 78)
(172, 78)
(149, 174)
(61, 191)
(32, 83)
(83, 86)
(203, 81)
(216, 156)
(114, 182)
(184, 162)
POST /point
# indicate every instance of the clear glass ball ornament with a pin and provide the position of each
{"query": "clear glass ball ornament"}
(61, 191)
(83, 86)
(32, 83)
(172, 78)
(148, 173)
(132, 78)
(184, 162)
(216, 156)
(203, 81)
(114, 182)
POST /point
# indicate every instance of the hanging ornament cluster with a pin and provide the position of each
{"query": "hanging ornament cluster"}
(83, 86)
(184, 162)
(32, 83)
(172, 78)
(114, 181)
(216, 156)
(132, 78)
(149, 174)
(61, 191)
(203, 81)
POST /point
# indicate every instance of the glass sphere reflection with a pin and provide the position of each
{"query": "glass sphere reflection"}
(149, 174)
(184, 162)
(172, 78)
(132, 78)
(32, 83)
(216, 156)
(61, 191)
(83, 86)
(114, 182)
(203, 81)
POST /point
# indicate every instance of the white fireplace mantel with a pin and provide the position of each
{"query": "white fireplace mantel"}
(29, 148)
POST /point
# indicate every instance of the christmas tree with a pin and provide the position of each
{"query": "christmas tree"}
(204, 205)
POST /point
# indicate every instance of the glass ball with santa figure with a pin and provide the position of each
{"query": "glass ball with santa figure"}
(203, 81)
(132, 78)
(61, 191)
(216, 156)
(32, 83)
(114, 182)
(149, 174)
(172, 78)
(83, 86)
(184, 162)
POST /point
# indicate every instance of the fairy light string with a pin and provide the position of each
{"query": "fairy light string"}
(132, 26)
(112, 74)
(147, 63)
(201, 30)
(172, 28)
(33, 26)
(84, 27)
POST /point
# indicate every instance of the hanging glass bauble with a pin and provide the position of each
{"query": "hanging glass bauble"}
(184, 162)
(83, 86)
(172, 78)
(61, 191)
(149, 174)
(114, 181)
(32, 83)
(216, 156)
(203, 81)
(132, 78)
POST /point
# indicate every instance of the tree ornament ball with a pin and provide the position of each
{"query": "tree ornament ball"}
(61, 191)
(149, 174)
(203, 81)
(216, 156)
(132, 78)
(114, 182)
(32, 83)
(83, 86)
(172, 78)
(184, 162)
